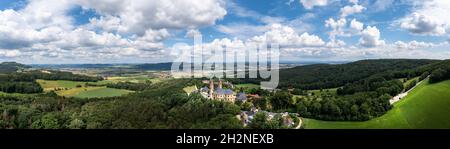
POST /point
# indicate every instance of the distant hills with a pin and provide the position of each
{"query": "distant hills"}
(149, 66)
(156, 66)
(58, 66)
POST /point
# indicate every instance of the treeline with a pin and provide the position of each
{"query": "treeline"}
(377, 84)
(165, 105)
(11, 83)
(130, 86)
(20, 87)
(260, 121)
(440, 74)
(60, 75)
(360, 106)
(357, 107)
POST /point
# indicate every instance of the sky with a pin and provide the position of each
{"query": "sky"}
(150, 31)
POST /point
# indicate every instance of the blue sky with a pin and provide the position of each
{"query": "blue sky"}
(63, 31)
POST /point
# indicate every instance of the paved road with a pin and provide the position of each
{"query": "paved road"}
(299, 123)
(401, 95)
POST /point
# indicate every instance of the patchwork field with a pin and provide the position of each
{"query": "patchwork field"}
(70, 89)
(49, 85)
(424, 107)
(134, 79)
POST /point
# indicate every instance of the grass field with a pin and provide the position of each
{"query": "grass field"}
(190, 89)
(410, 80)
(91, 92)
(427, 106)
(247, 86)
(102, 92)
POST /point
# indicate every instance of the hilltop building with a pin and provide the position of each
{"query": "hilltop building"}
(220, 93)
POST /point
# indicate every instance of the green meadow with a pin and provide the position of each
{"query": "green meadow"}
(102, 92)
(247, 86)
(425, 107)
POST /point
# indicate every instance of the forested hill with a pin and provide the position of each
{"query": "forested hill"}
(329, 76)
(14, 81)
(7, 67)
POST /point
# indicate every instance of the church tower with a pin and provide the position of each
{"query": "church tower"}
(211, 88)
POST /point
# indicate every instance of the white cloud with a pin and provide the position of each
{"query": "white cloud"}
(370, 37)
(310, 4)
(45, 13)
(422, 24)
(10, 53)
(43, 28)
(288, 37)
(335, 43)
(295, 46)
(428, 18)
(412, 45)
(285, 36)
(337, 26)
(32, 24)
(245, 30)
(356, 25)
(155, 35)
(349, 10)
(136, 16)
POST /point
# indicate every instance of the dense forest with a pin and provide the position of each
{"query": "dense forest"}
(329, 76)
(441, 73)
(321, 76)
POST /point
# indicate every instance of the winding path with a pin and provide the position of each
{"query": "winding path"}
(401, 95)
